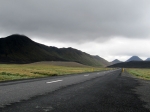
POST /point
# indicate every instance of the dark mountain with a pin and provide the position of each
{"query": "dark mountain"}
(115, 61)
(20, 49)
(134, 58)
(103, 61)
(148, 59)
(71, 54)
(132, 64)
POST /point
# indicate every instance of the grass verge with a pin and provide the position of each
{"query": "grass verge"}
(140, 73)
(24, 71)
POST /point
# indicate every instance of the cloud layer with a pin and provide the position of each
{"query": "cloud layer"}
(79, 23)
(78, 20)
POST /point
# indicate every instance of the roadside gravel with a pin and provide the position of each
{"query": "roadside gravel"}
(143, 90)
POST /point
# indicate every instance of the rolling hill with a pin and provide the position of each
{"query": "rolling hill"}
(21, 49)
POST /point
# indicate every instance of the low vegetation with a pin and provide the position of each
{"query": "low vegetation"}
(140, 73)
(35, 70)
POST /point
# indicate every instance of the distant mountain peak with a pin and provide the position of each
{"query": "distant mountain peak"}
(116, 61)
(134, 58)
(148, 59)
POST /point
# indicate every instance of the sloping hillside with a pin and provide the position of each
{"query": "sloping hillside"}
(21, 49)
(103, 61)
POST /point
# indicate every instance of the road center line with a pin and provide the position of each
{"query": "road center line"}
(54, 81)
(86, 75)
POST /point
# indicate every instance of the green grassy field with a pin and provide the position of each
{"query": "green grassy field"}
(43, 69)
(140, 73)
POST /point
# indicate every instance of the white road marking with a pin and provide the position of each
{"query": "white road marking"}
(54, 81)
(86, 75)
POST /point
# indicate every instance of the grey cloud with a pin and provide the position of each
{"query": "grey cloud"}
(76, 20)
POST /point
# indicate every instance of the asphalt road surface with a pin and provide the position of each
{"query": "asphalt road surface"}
(108, 91)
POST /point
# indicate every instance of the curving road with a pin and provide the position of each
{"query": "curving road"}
(107, 91)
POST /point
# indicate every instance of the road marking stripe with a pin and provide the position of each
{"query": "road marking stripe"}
(54, 81)
(86, 75)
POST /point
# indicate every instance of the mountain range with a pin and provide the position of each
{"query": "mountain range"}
(132, 62)
(21, 49)
(133, 58)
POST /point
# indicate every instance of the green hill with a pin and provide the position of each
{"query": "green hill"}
(21, 49)
(103, 61)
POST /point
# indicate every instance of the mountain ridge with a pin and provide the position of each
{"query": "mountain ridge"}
(18, 48)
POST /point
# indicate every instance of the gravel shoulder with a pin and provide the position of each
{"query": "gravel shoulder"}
(143, 90)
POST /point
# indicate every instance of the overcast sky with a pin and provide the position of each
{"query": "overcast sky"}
(108, 28)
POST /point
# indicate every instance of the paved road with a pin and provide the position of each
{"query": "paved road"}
(107, 91)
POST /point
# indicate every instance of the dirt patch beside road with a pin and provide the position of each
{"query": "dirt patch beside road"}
(143, 91)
